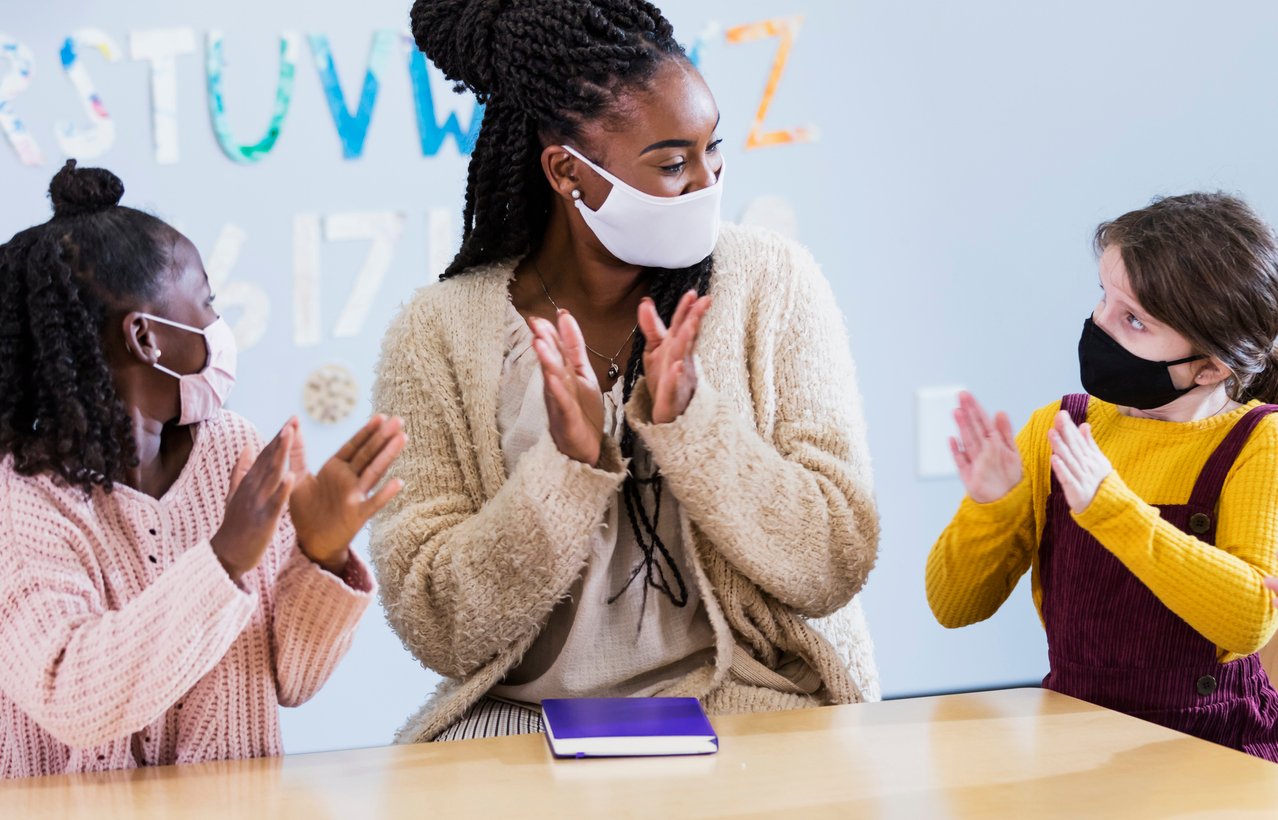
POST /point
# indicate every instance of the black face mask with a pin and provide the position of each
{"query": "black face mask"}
(1114, 374)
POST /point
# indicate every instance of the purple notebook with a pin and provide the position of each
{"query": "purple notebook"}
(620, 727)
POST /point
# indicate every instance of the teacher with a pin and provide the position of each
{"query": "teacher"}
(591, 508)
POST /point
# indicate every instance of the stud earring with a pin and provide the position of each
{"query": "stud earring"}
(157, 353)
(576, 194)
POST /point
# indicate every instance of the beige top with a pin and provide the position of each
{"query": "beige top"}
(768, 461)
(590, 648)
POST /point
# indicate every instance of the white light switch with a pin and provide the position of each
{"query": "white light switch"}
(934, 417)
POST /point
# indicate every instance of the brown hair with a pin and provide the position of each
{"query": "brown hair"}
(1207, 266)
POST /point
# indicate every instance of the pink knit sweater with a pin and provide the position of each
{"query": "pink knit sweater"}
(124, 643)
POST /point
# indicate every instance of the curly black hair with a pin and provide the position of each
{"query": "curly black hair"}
(60, 282)
(542, 69)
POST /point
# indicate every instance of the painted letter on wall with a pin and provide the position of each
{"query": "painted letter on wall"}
(428, 128)
(95, 139)
(13, 83)
(353, 128)
(215, 64)
(787, 29)
(161, 48)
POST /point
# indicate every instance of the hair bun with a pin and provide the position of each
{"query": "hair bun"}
(77, 191)
(457, 36)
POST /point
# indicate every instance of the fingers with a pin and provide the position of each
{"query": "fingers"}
(544, 330)
(572, 347)
(270, 463)
(560, 399)
(650, 324)
(552, 362)
(1003, 426)
(1062, 449)
(267, 472)
(961, 459)
(561, 402)
(968, 436)
(242, 466)
(1068, 481)
(686, 334)
(283, 446)
(1070, 432)
(681, 310)
(665, 403)
(297, 453)
(279, 497)
(681, 339)
(369, 450)
(980, 421)
(1088, 441)
(374, 505)
(357, 441)
(381, 462)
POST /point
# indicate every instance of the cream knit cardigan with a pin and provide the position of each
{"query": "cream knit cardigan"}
(768, 461)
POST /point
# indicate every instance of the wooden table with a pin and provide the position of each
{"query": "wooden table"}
(1014, 753)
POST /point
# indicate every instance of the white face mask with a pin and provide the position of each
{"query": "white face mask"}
(204, 393)
(653, 231)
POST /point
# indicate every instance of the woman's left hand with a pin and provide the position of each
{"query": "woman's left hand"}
(1077, 461)
(667, 354)
(330, 507)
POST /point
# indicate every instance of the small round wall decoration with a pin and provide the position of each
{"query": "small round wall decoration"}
(330, 393)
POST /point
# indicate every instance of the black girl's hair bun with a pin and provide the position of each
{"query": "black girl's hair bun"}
(457, 36)
(78, 191)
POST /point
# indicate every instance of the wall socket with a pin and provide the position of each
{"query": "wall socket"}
(934, 424)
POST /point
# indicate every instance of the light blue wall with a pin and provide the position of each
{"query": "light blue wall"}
(966, 151)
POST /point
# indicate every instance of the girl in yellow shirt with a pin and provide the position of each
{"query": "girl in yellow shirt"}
(1147, 510)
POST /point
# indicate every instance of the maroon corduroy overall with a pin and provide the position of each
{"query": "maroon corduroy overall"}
(1111, 642)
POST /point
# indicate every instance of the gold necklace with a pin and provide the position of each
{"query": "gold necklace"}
(613, 370)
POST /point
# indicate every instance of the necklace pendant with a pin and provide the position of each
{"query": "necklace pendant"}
(613, 370)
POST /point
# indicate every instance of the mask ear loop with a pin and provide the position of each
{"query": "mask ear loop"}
(199, 331)
(172, 323)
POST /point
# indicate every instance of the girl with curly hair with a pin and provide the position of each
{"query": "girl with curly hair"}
(169, 579)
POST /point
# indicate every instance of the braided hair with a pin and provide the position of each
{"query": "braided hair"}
(543, 69)
(60, 413)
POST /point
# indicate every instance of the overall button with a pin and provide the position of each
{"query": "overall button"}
(1206, 685)
(1200, 522)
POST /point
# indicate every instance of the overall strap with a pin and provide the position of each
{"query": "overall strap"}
(1076, 405)
(1212, 478)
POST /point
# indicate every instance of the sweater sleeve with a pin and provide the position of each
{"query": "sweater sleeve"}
(461, 578)
(1217, 589)
(793, 511)
(89, 674)
(982, 554)
(316, 615)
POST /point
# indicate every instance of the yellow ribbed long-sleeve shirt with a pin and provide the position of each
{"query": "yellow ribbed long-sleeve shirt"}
(1216, 589)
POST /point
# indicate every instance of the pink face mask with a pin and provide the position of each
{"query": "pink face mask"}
(204, 393)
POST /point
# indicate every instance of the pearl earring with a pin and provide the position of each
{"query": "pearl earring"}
(576, 194)
(157, 353)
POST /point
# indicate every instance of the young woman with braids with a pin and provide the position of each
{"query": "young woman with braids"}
(157, 603)
(591, 509)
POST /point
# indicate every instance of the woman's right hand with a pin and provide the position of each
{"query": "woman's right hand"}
(988, 460)
(574, 404)
(258, 497)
